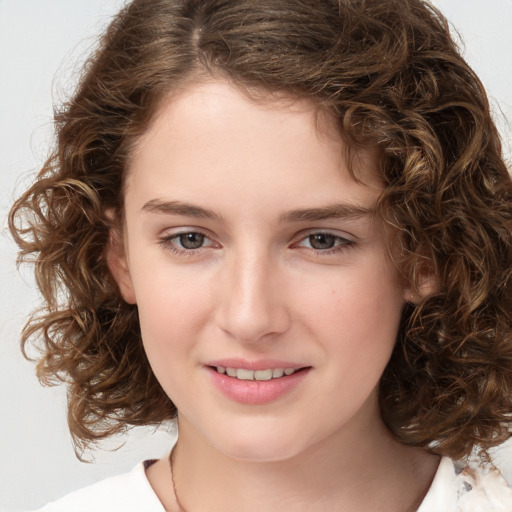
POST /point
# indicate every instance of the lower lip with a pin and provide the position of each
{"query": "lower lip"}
(256, 392)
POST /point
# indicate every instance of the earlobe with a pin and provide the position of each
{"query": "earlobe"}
(427, 286)
(118, 265)
(410, 297)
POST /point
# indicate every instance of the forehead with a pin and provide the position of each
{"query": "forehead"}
(213, 133)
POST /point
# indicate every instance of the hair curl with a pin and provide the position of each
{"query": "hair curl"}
(390, 73)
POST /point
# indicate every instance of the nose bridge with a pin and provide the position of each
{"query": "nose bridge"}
(252, 303)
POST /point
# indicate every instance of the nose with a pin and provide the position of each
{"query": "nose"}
(252, 300)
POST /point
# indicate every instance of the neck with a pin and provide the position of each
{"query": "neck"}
(377, 474)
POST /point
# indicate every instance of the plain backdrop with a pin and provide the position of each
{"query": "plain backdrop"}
(42, 43)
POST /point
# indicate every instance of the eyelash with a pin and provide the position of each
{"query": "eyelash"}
(169, 243)
(341, 243)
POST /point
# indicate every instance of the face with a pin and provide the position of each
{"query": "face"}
(268, 307)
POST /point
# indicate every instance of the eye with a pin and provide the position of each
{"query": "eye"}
(186, 242)
(190, 240)
(325, 242)
(322, 241)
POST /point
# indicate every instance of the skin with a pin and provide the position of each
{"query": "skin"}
(259, 287)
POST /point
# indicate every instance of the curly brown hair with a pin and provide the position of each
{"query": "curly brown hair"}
(390, 73)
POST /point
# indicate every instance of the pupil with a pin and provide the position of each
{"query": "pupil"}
(322, 241)
(192, 240)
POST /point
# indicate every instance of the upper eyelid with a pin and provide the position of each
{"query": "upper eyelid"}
(169, 233)
(172, 232)
(336, 233)
(182, 230)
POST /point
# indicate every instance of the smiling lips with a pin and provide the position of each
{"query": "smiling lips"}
(256, 386)
(259, 375)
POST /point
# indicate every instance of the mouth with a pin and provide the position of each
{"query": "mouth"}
(256, 382)
(257, 375)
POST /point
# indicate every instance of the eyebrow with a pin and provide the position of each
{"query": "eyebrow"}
(179, 208)
(333, 211)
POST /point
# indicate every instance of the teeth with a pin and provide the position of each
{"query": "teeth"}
(263, 375)
(277, 373)
(243, 374)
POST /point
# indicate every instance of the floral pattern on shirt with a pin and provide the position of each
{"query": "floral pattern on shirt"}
(467, 487)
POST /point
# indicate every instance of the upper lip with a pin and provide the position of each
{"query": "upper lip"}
(260, 364)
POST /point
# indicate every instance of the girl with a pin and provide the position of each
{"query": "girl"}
(287, 225)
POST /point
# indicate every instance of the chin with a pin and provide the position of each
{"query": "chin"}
(261, 445)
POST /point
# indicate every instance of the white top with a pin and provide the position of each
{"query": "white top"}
(129, 492)
(456, 488)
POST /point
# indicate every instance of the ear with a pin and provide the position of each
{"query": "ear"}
(426, 285)
(118, 265)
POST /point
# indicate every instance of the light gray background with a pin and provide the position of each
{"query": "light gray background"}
(42, 43)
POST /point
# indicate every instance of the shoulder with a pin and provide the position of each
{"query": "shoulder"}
(128, 492)
(467, 487)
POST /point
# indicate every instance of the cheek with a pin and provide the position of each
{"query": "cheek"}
(172, 315)
(171, 302)
(352, 300)
(356, 317)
